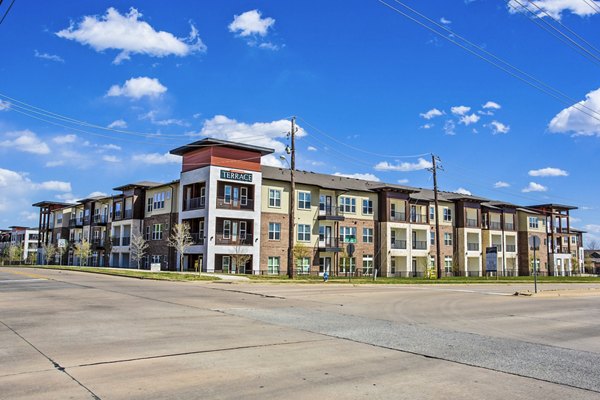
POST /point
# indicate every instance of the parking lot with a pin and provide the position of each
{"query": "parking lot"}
(78, 335)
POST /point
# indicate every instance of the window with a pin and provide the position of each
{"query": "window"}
(147, 235)
(227, 197)
(243, 229)
(533, 222)
(244, 196)
(168, 195)
(59, 218)
(367, 265)
(157, 232)
(274, 231)
(275, 198)
(304, 200)
(155, 259)
(431, 213)
(393, 211)
(368, 235)
(347, 264)
(432, 237)
(273, 266)
(303, 233)
(573, 239)
(202, 196)
(393, 265)
(448, 264)
(348, 204)
(367, 207)
(226, 229)
(447, 214)
(149, 209)
(159, 200)
(448, 239)
(303, 265)
(226, 263)
(347, 233)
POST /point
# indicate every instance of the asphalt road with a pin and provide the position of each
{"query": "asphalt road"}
(86, 336)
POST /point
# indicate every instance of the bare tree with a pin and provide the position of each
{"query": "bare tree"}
(181, 240)
(83, 250)
(592, 244)
(240, 258)
(49, 251)
(61, 252)
(138, 248)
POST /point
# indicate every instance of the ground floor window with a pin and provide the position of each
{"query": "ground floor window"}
(367, 268)
(226, 264)
(303, 265)
(448, 264)
(325, 264)
(273, 265)
(347, 264)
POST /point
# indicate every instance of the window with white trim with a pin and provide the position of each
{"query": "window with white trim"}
(304, 200)
(275, 198)
(447, 214)
(226, 229)
(347, 233)
(367, 235)
(303, 233)
(157, 231)
(274, 231)
(273, 265)
(534, 222)
(347, 264)
(303, 265)
(448, 264)
(227, 194)
(149, 209)
(367, 207)
(243, 196)
(448, 239)
(347, 204)
(431, 213)
(367, 268)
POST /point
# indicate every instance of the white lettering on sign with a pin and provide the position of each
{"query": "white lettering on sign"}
(236, 176)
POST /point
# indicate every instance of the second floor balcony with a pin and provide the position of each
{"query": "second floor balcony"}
(418, 218)
(194, 203)
(398, 216)
(100, 219)
(419, 245)
(398, 244)
(197, 238)
(330, 213)
(472, 223)
(330, 244)
(78, 221)
(233, 204)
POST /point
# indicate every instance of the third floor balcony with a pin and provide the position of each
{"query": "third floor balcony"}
(194, 203)
(473, 246)
(229, 203)
(398, 244)
(418, 218)
(398, 216)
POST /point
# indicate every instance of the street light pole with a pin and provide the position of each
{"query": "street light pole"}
(292, 151)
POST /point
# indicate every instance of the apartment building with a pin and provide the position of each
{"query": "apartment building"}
(27, 238)
(238, 214)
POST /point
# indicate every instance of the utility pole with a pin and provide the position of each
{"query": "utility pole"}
(438, 259)
(292, 151)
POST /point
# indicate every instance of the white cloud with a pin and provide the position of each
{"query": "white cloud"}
(534, 187)
(157, 158)
(462, 190)
(404, 166)
(427, 126)
(434, 112)
(110, 146)
(498, 128)
(492, 105)
(548, 171)
(251, 23)
(445, 21)
(593, 228)
(366, 177)
(151, 115)
(33, 216)
(25, 141)
(579, 118)
(96, 194)
(64, 139)
(403, 181)
(469, 119)
(554, 8)
(46, 56)
(269, 46)
(57, 186)
(501, 184)
(137, 88)
(449, 127)
(311, 148)
(129, 34)
(4, 105)
(111, 159)
(119, 123)
(272, 161)
(264, 134)
(460, 110)
(55, 163)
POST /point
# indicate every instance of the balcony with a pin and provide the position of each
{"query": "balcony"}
(330, 244)
(75, 222)
(398, 217)
(496, 225)
(419, 245)
(418, 218)
(509, 226)
(128, 214)
(97, 242)
(86, 220)
(234, 241)
(511, 248)
(197, 238)
(398, 244)
(472, 223)
(473, 246)
(235, 204)
(195, 203)
(101, 219)
(330, 213)
(118, 215)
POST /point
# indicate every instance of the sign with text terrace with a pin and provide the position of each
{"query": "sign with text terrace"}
(236, 176)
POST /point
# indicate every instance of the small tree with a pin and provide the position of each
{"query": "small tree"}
(83, 251)
(31, 258)
(301, 251)
(181, 240)
(3, 254)
(240, 258)
(49, 252)
(593, 244)
(15, 253)
(138, 248)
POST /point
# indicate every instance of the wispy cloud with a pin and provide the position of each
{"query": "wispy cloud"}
(49, 57)
(548, 172)
(404, 166)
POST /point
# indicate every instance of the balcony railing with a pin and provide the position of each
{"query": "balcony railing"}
(86, 220)
(235, 241)
(75, 222)
(98, 242)
(473, 246)
(118, 214)
(509, 226)
(495, 225)
(511, 248)
(128, 214)
(418, 218)
(235, 204)
(195, 203)
(398, 216)
(472, 223)
(100, 219)
(329, 211)
(329, 242)
(419, 245)
(398, 244)
(197, 238)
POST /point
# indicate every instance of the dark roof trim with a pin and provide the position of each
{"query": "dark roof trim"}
(209, 142)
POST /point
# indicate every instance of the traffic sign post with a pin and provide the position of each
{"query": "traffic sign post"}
(534, 242)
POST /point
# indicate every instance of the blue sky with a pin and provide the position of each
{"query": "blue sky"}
(372, 90)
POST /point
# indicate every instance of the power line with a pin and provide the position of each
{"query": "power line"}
(7, 11)
(592, 4)
(507, 67)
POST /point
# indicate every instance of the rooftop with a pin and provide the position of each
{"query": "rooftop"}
(209, 142)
